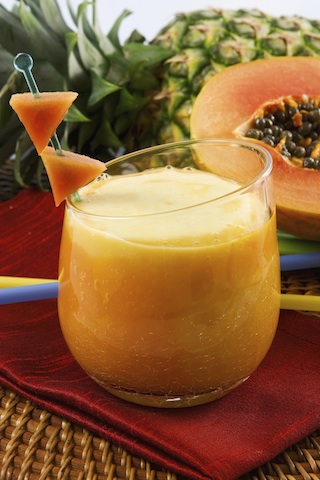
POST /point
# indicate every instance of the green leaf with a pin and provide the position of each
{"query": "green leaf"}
(106, 136)
(47, 77)
(87, 130)
(101, 88)
(35, 9)
(147, 55)
(13, 37)
(113, 34)
(45, 42)
(74, 115)
(78, 75)
(90, 55)
(8, 140)
(129, 103)
(86, 25)
(94, 33)
(118, 72)
(71, 41)
(22, 146)
(124, 123)
(105, 44)
(72, 12)
(6, 66)
(135, 37)
(11, 86)
(52, 14)
(42, 178)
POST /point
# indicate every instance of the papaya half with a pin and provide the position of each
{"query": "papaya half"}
(275, 103)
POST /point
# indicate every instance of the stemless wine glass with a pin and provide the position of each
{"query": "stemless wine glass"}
(169, 284)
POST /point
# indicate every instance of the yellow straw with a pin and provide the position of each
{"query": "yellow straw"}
(306, 303)
(9, 282)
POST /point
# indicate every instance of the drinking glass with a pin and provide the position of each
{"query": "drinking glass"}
(169, 277)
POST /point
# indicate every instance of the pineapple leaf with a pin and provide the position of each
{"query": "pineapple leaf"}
(147, 55)
(71, 40)
(35, 10)
(10, 87)
(113, 34)
(95, 35)
(10, 133)
(86, 130)
(129, 102)
(106, 136)
(22, 147)
(48, 78)
(72, 12)
(88, 29)
(118, 72)
(135, 37)
(105, 43)
(77, 74)
(90, 55)
(42, 178)
(53, 17)
(13, 37)
(74, 115)
(6, 66)
(46, 43)
(100, 89)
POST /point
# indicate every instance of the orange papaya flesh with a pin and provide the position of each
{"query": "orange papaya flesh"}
(69, 171)
(43, 114)
(226, 108)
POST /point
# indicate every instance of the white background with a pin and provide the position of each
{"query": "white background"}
(148, 16)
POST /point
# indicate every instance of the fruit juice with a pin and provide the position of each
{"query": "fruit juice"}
(161, 300)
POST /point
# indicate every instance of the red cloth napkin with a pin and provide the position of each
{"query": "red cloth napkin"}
(278, 406)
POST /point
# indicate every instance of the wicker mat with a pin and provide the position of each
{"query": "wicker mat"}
(36, 445)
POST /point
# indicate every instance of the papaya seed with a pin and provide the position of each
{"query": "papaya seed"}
(293, 127)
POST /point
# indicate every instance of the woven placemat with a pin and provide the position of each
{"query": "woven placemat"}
(37, 445)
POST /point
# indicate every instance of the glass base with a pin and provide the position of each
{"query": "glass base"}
(173, 401)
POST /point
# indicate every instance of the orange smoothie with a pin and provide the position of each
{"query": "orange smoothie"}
(159, 304)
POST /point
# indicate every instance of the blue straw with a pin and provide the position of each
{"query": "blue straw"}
(29, 293)
(299, 261)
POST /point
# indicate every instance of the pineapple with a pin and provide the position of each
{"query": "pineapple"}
(131, 95)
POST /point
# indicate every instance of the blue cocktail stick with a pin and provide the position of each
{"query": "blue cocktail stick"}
(23, 62)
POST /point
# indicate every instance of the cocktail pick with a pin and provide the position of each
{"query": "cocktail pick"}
(23, 62)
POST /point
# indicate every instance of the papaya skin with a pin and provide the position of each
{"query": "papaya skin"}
(230, 99)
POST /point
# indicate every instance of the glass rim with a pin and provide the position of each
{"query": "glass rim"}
(264, 174)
